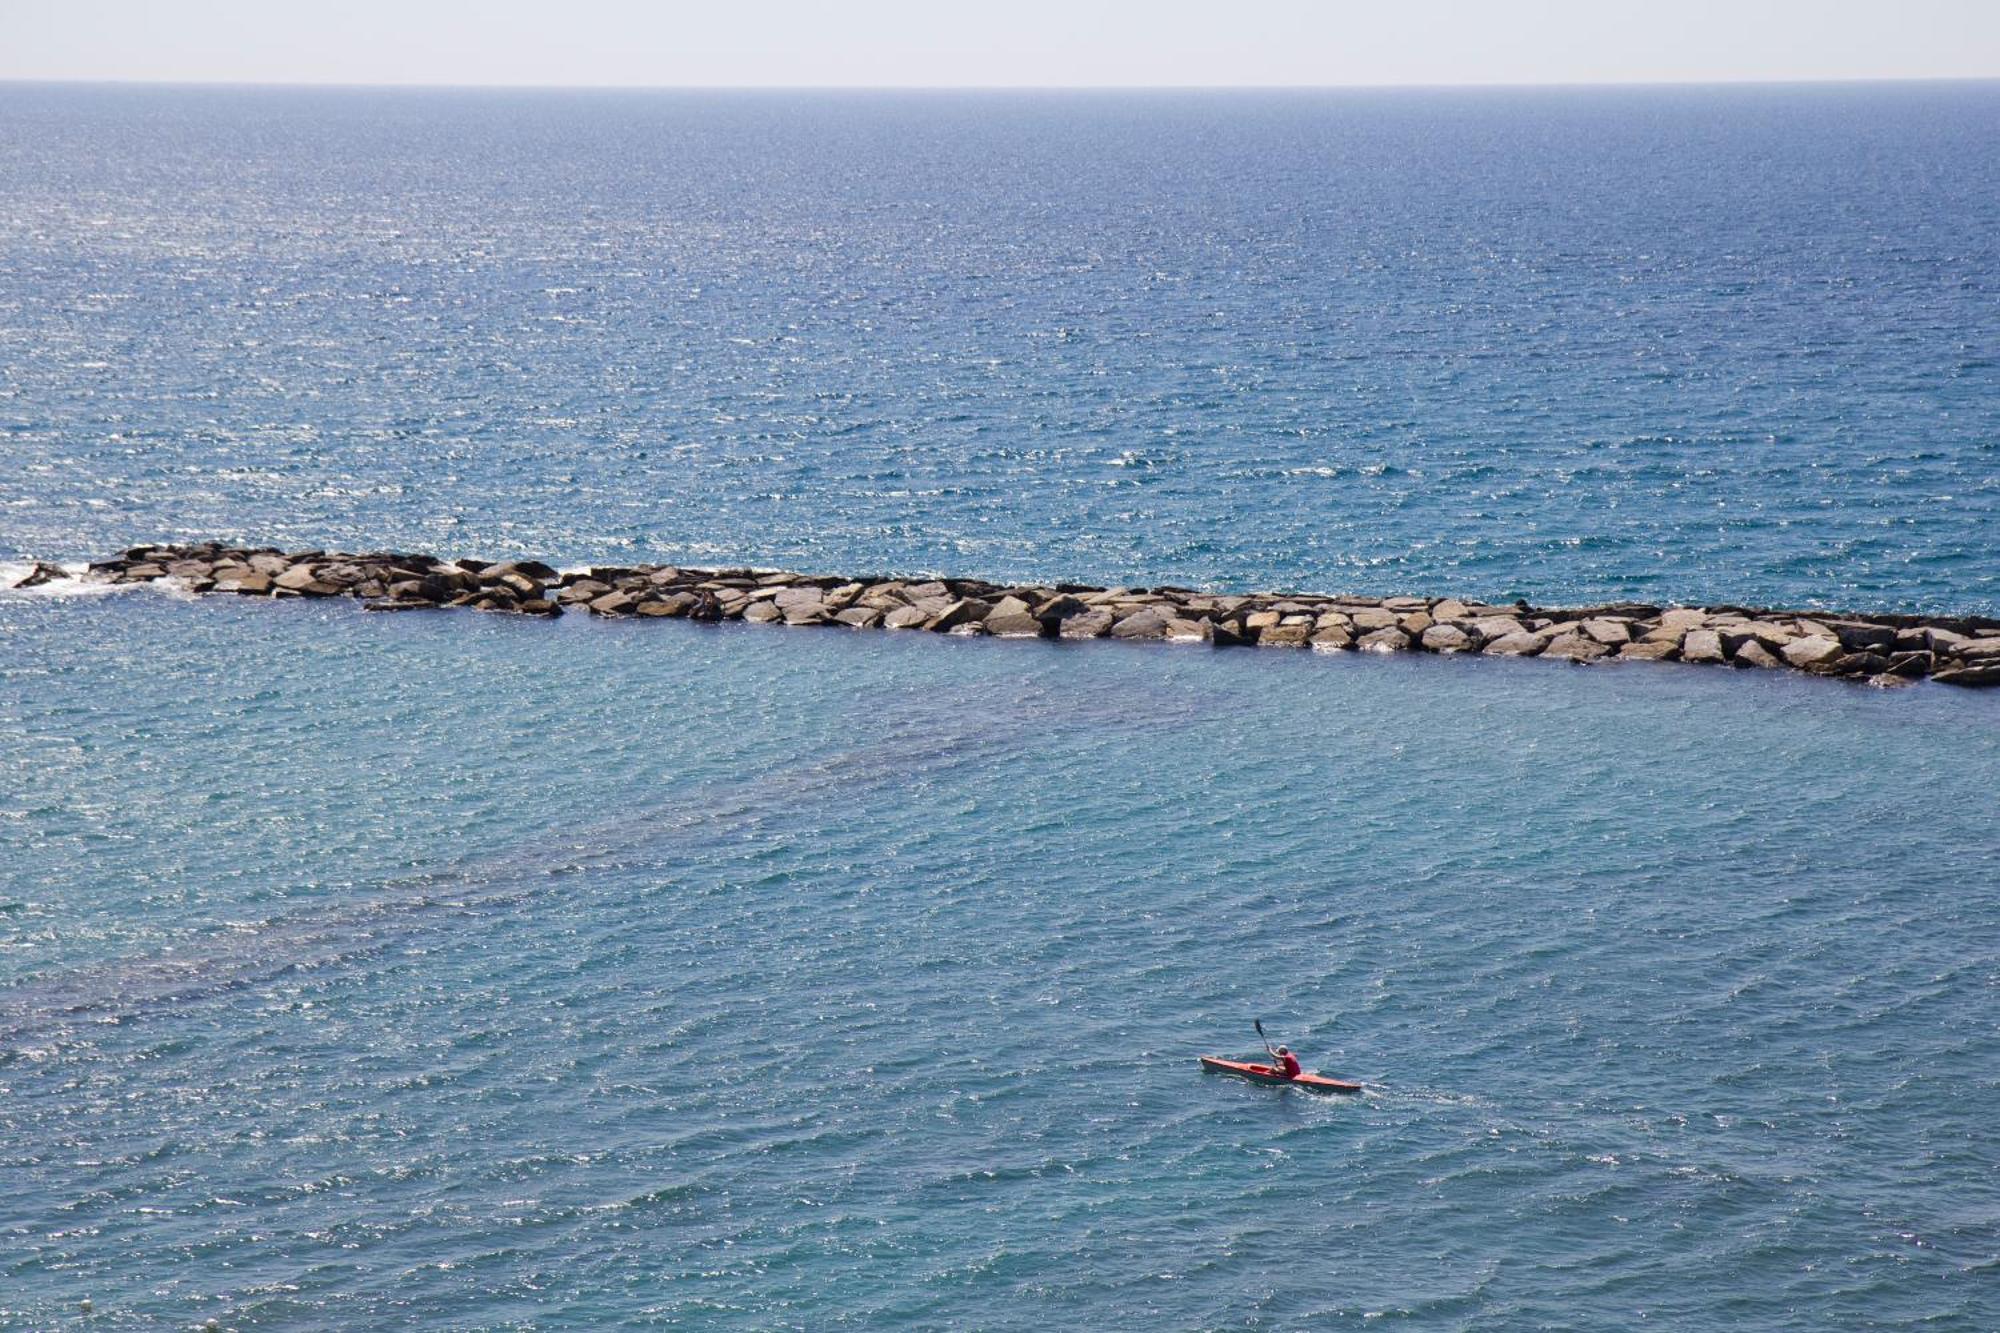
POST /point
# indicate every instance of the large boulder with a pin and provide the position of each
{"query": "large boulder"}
(1678, 620)
(253, 583)
(906, 617)
(1576, 648)
(1373, 618)
(1982, 675)
(1383, 641)
(1863, 636)
(1282, 635)
(1087, 625)
(757, 613)
(860, 617)
(1519, 644)
(1014, 624)
(1649, 650)
(1182, 630)
(1753, 653)
(1702, 645)
(1446, 639)
(1771, 638)
(1608, 632)
(614, 604)
(961, 611)
(1812, 652)
(1973, 650)
(1150, 623)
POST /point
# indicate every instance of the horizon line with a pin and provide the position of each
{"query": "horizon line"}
(1466, 86)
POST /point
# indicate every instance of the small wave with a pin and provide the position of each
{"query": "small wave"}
(75, 583)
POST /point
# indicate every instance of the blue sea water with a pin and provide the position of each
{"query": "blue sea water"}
(460, 972)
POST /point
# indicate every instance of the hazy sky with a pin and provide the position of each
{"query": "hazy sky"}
(996, 42)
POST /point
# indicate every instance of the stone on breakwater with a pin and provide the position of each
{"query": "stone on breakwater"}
(1702, 645)
(1811, 652)
(1983, 676)
(1519, 644)
(1383, 641)
(1089, 625)
(1446, 639)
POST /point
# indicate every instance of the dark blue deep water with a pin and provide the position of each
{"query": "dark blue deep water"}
(454, 972)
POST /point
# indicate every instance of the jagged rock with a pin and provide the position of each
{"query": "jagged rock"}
(1753, 653)
(251, 583)
(1497, 627)
(1229, 634)
(1383, 641)
(757, 613)
(1610, 633)
(1766, 636)
(1679, 620)
(1147, 624)
(1415, 623)
(964, 611)
(1259, 621)
(266, 562)
(584, 590)
(1405, 603)
(860, 617)
(1449, 609)
(1919, 637)
(539, 606)
(1447, 639)
(1853, 664)
(906, 617)
(1181, 630)
(1014, 624)
(1980, 676)
(1575, 647)
(1010, 605)
(1519, 644)
(1863, 636)
(1970, 650)
(1373, 618)
(1333, 620)
(1702, 645)
(1332, 639)
(1088, 625)
(295, 578)
(1282, 635)
(612, 604)
(805, 613)
(1059, 608)
(1648, 650)
(1811, 652)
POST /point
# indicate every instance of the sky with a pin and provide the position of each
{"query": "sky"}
(996, 43)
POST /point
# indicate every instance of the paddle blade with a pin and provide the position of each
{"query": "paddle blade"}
(1259, 1024)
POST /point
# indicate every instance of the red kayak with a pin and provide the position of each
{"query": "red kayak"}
(1266, 1074)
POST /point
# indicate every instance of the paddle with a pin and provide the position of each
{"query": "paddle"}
(1258, 1023)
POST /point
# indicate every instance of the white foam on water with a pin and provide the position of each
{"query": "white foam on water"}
(77, 582)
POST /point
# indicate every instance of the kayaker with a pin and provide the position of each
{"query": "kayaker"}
(1288, 1064)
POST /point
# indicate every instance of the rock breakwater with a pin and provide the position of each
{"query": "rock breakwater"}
(1880, 650)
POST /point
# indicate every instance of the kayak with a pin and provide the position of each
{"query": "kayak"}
(1266, 1074)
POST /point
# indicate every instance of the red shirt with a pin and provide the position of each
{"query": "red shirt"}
(1288, 1065)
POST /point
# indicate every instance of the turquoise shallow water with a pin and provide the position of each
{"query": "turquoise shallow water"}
(447, 971)
(462, 972)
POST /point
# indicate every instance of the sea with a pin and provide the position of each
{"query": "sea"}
(464, 972)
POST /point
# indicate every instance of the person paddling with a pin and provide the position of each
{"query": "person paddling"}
(1287, 1063)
